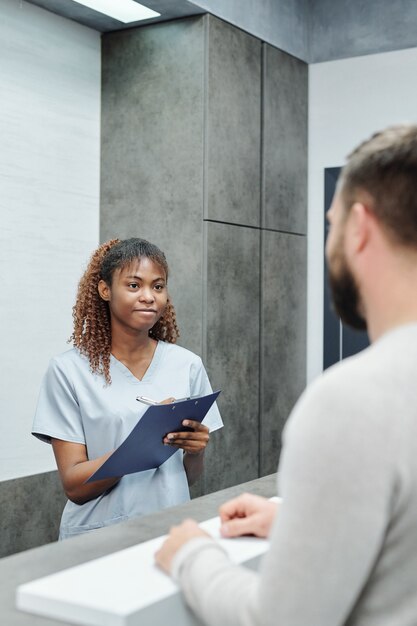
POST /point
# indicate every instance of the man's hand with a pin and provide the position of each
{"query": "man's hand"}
(247, 515)
(178, 536)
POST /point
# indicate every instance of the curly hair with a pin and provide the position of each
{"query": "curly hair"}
(91, 314)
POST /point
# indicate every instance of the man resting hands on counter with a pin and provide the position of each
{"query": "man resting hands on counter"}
(343, 544)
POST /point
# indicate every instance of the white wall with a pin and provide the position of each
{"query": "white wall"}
(348, 101)
(49, 206)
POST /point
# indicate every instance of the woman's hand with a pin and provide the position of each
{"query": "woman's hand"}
(194, 441)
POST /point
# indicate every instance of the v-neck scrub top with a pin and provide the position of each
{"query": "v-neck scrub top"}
(76, 405)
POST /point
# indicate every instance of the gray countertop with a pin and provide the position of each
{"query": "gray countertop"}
(32, 564)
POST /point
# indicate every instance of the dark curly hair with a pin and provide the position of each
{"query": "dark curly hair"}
(91, 314)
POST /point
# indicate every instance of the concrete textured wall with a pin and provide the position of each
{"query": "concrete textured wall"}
(280, 23)
(323, 30)
(311, 30)
(283, 246)
(233, 125)
(201, 126)
(347, 29)
(232, 281)
(31, 510)
(152, 155)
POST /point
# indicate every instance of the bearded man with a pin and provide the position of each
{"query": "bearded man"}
(344, 542)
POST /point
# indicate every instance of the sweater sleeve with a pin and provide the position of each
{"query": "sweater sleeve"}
(209, 581)
(337, 485)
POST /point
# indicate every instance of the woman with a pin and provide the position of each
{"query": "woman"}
(124, 346)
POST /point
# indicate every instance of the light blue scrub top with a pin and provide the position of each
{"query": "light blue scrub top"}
(76, 405)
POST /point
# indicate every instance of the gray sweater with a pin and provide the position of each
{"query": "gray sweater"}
(344, 544)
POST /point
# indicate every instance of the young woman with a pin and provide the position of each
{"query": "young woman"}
(124, 346)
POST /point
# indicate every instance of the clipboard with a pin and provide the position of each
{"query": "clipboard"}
(143, 449)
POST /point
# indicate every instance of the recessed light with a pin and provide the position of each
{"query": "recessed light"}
(122, 10)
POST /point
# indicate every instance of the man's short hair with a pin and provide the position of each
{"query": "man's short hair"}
(385, 166)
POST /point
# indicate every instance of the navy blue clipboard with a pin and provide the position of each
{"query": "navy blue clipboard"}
(143, 448)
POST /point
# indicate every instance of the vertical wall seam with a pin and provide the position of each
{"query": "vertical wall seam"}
(205, 184)
(261, 245)
(206, 39)
(205, 225)
(262, 220)
(308, 23)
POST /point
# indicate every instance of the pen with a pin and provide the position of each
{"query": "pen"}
(151, 402)
(146, 400)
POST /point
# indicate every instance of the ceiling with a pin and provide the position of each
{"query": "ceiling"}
(311, 30)
(169, 10)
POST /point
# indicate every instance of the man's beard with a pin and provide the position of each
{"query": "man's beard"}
(345, 296)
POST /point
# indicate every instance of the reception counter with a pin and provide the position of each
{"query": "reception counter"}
(33, 564)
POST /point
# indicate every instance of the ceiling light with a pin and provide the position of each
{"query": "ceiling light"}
(122, 10)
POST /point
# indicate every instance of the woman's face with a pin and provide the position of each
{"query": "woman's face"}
(138, 295)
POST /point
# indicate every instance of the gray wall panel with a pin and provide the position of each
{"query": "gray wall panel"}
(31, 510)
(182, 112)
(285, 95)
(233, 125)
(152, 152)
(233, 291)
(283, 337)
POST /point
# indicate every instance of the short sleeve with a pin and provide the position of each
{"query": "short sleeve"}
(58, 413)
(200, 386)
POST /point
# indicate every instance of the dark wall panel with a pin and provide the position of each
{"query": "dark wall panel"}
(285, 94)
(152, 152)
(31, 509)
(233, 291)
(283, 337)
(233, 131)
(195, 118)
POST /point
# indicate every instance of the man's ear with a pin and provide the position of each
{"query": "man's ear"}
(360, 225)
(104, 290)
